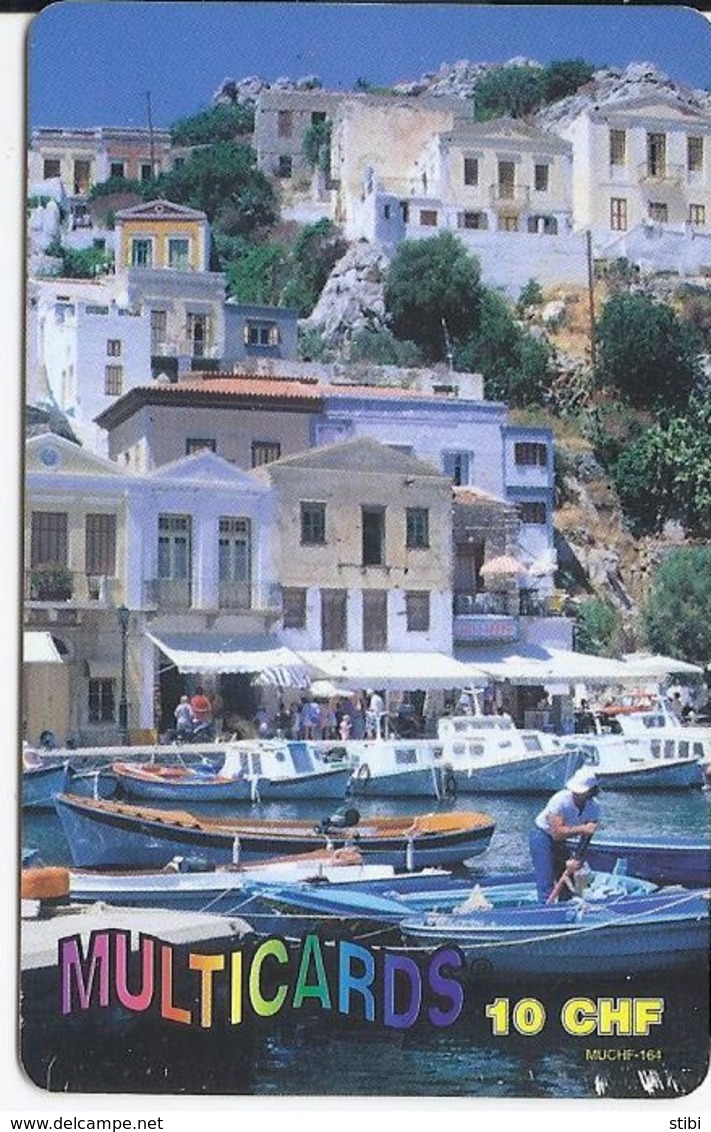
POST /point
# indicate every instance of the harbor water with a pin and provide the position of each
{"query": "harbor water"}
(319, 1052)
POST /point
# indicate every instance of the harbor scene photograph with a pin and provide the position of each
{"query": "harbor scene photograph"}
(366, 570)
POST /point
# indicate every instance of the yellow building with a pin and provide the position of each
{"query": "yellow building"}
(161, 234)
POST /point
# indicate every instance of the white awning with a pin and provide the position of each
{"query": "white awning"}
(206, 653)
(648, 665)
(534, 664)
(39, 648)
(390, 670)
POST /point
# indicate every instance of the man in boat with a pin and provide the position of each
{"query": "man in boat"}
(571, 812)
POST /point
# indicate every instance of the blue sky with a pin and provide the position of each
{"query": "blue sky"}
(92, 63)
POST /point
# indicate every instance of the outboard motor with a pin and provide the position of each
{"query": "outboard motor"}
(342, 819)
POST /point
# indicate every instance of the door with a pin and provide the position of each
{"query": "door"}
(334, 619)
(375, 620)
(507, 180)
(234, 564)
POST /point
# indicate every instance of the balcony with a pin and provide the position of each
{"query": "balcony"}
(484, 617)
(168, 593)
(661, 173)
(508, 196)
(53, 585)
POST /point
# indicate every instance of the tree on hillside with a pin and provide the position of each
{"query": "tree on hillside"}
(677, 614)
(314, 252)
(597, 627)
(215, 124)
(256, 273)
(433, 292)
(316, 145)
(646, 352)
(223, 181)
(666, 473)
(510, 92)
(514, 364)
(564, 76)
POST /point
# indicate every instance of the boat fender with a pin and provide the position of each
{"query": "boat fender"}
(50, 883)
(363, 773)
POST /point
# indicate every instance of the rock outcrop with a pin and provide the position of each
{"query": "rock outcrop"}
(247, 90)
(353, 298)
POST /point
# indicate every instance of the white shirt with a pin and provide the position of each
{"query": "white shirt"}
(562, 806)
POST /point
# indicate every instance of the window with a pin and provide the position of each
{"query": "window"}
(113, 381)
(51, 167)
(417, 609)
(102, 699)
(428, 217)
(534, 514)
(656, 155)
(405, 211)
(285, 166)
(174, 546)
(99, 243)
(141, 252)
(293, 600)
(234, 563)
(508, 223)
(313, 524)
(198, 334)
(159, 327)
(527, 454)
(317, 116)
(82, 176)
(373, 536)
(471, 171)
(179, 253)
(541, 177)
(507, 180)
(285, 123)
(547, 225)
(618, 214)
(477, 220)
(264, 451)
(375, 620)
(386, 211)
(695, 155)
(261, 334)
(200, 444)
(117, 169)
(100, 545)
(48, 538)
(113, 348)
(697, 214)
(146, 171)
(618, 147)
(417, 528)
(458, 466)
(658, 211)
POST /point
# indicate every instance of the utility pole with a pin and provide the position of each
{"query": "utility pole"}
(150, 135)
(591, 298)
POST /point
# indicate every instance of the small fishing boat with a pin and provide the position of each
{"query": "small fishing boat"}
(644, 747)
(107, 834)
(648, 933)
(663, 860)
(252, 771)
(292, 908)
(489, 754)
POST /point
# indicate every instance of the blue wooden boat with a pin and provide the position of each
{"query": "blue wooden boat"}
(288, 908)
(107, 834)
(650, 933)
(663, 860)
(40, 785)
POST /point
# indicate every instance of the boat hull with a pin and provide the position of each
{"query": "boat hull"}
(421, 783)
(651, 934)
(40, 785)
(327, 784)
(193, 787)
(677, 775)
(106, 835)
(533, 774)
(680, 861)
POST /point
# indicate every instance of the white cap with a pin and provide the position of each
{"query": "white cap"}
(582, 782)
